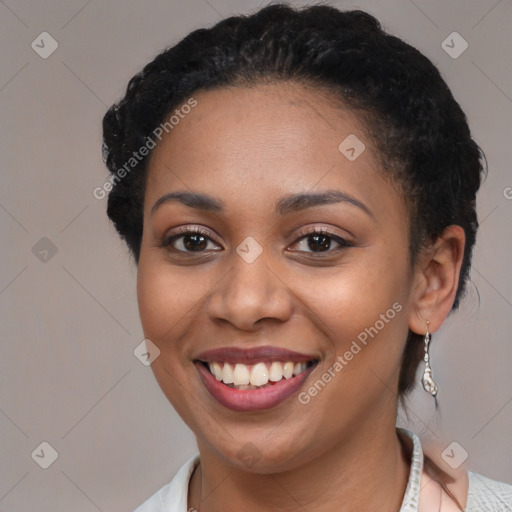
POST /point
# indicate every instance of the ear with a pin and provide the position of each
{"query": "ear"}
(436, 280)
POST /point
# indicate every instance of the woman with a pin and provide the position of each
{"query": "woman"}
(297, 188)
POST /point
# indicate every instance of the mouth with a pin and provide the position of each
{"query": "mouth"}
(253, 379)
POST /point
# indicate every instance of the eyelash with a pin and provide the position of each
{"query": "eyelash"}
(196, 230)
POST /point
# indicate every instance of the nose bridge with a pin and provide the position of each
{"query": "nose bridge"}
(251, 274)
(251, 290)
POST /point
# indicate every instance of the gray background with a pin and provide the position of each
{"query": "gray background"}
(69, 320)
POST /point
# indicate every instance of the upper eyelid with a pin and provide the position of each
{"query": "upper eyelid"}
(317, 229)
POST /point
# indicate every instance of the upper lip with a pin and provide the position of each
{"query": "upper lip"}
(252, 355)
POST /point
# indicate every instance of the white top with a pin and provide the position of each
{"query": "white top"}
(484, 494)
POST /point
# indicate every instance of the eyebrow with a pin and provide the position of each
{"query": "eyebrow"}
(284, 206)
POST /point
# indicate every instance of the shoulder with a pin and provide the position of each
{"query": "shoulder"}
(487, 494)
(172, 497)
(477, 492)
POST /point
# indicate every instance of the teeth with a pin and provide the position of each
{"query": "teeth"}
(259, 374)
(227, 374)
(216, 370)
(288, 370)
(276, 372)
(242, 376)
(299, 368)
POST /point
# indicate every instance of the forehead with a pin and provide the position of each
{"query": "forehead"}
(267, 119)
(260, 141)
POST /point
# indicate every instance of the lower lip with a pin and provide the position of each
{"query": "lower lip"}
(243, 400)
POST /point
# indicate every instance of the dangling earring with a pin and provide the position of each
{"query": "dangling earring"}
(428, 384)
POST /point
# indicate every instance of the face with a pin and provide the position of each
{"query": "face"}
(270, 255)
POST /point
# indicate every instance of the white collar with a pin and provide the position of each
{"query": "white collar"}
(412, 491)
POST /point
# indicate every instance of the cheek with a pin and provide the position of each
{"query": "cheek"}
(172, 301)
(362, 309)
(166, 305)
(165, 300)
(354, 298)
(364, 315)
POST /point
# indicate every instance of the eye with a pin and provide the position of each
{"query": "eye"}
(198, 240)
(189, 240)
(320, 240)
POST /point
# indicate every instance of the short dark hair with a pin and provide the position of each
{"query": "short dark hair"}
(419, 129)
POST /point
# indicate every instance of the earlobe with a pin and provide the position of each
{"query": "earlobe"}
(437, 280)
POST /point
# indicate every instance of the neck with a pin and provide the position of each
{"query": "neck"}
(368, 471)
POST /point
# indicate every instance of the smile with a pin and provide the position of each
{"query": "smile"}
(253, 379)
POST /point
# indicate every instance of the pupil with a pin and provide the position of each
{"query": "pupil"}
(196, 244)
(322, 240)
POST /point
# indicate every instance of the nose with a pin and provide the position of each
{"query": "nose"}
(249, 293)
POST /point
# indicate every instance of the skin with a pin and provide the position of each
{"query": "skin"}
(249, 147)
